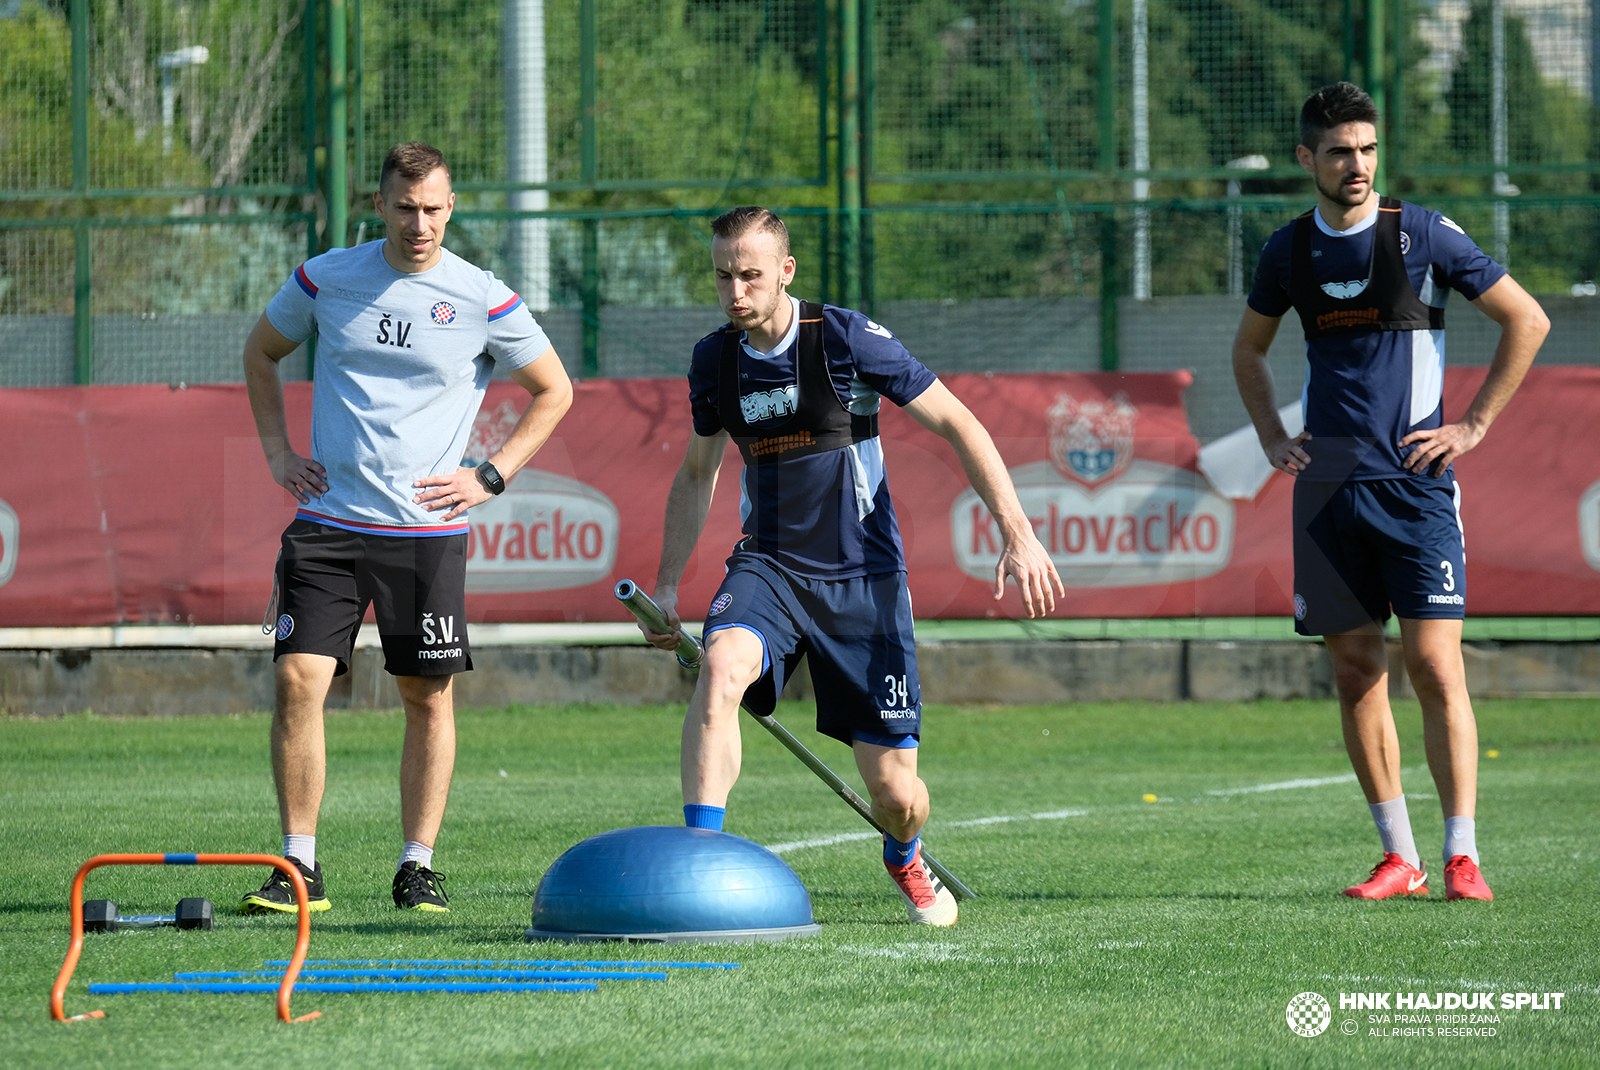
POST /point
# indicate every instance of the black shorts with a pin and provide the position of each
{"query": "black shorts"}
(1362, 547)
(416, 586)
(857, 638)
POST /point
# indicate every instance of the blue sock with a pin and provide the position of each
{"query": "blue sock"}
(700, 816)
(898, 854)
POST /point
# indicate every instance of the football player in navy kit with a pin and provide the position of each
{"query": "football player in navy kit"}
(820, 571)
(1377, 520)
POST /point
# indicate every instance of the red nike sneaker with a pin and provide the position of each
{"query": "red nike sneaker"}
(1393, 876)
(1463, 881)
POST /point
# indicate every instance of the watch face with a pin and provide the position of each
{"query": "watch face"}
(491, 478)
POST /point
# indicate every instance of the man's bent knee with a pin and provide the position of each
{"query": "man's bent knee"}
(304, 679)
(733, 659)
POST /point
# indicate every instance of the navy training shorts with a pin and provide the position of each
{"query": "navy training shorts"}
(327, 577)
(1362, 547)
(856, 634)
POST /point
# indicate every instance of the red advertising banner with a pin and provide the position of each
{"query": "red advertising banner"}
(153, 504)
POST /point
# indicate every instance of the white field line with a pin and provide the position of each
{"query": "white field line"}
(1286, 785)
(1049, 815)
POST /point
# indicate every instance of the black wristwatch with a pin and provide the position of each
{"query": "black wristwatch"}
(490, 477)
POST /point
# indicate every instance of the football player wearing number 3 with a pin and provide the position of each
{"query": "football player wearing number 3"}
(820, 571)
(1377, 520)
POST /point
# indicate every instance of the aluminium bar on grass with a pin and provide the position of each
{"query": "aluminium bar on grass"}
(514, 963)
(251, 987)
(425, 972)
(58, 993)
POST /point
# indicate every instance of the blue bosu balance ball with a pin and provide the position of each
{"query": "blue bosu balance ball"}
(667, 884)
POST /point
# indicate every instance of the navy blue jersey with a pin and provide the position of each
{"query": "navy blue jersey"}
(825, 516)
(1366, 390)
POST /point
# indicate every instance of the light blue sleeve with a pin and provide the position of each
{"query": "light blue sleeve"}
(293, 312)
(515, 338)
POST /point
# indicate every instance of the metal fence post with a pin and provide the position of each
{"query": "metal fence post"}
(1107, 116)
(850, 152)
(82, 302)
(1375, 85)
(588, 91)
(338, 129)
(868, 89)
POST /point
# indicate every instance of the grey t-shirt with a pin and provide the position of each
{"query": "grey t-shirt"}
(403, 361)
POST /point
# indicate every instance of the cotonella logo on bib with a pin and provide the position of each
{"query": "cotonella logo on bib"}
(1106, 519)
(10, 529)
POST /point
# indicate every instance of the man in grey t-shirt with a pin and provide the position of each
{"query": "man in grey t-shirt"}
(408, 336)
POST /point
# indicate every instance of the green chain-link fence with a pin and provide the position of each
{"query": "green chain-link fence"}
(1009, 184)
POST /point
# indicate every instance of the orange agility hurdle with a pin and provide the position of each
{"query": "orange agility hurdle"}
(302, 942)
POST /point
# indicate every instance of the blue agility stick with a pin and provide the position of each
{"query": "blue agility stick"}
(419, 971)
(515, 963)
(236, 987)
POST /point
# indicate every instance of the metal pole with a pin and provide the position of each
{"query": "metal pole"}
(527, 150)
(82, 301)
(1235, 241)
(869, 295)
(690, 654)
(825, 220)
(591, 298)
(850, 149)
(358, 115)
(1375, 82)
(1106, 114)
(1141, 149)
(1497, 130)
(589, 163)
(338, 128)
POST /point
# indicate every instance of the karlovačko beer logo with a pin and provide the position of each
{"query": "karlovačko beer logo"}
(547, 532)
(1091, 441)
(1106, 518)
(10, 529)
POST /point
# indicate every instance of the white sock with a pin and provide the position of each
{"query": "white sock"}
(1460, 838)
(415, 852)
(300, 847)
(1394, 826)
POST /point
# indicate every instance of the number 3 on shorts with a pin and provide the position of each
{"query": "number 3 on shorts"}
(898, 691)
(1449, 575)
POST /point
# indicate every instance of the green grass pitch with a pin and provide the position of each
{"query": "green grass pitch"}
(1115, 933)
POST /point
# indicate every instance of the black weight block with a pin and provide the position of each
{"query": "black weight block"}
(194, 913)
(99, 916)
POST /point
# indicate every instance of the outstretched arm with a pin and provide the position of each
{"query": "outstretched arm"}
(688, 502)
(1523, 326)
(550, 391)
(1022, 557)
(300, 476)
(1254, 376)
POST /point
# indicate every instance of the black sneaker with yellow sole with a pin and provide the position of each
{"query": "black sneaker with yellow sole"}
(416, 887)
(277, 895)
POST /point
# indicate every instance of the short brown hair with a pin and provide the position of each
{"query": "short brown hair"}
(741, 221)
(1331, 106)
(413, 161)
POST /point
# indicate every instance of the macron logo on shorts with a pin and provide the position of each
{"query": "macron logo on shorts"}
(285, 626)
